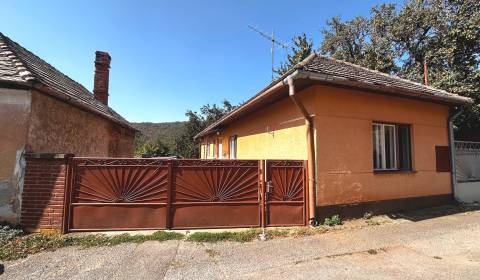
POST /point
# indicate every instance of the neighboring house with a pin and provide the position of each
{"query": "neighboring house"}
(373, 141)
(44, 111)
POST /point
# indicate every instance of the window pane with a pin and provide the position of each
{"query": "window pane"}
(233, 147)
(390, 147)
(404, 147)
(377, 155)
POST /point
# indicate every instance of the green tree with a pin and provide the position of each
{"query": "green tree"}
(186, 145)
(363, 41)
(154, 148)
(444, 34)
(301, 49)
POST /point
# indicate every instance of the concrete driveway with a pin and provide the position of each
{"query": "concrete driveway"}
(445, 247)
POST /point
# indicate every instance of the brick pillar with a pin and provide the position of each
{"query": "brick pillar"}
(43, 193)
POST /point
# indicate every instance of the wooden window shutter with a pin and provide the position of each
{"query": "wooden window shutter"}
(443, 158)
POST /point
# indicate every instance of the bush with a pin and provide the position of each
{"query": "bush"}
(9, 231)
(333, 221)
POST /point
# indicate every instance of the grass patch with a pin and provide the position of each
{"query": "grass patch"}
(240, 236)
(23, 246)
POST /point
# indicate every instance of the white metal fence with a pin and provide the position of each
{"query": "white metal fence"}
(467, 161)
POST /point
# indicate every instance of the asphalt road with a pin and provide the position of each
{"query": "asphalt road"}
(445, 247)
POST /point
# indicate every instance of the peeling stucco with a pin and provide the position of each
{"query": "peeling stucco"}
(15, 108)
(31, 121)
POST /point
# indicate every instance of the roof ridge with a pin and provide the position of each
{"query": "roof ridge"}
(33, 68)
(43, 61)
(393, 76)
(5, 49)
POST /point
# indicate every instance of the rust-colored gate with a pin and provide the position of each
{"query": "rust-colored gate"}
(127, 194)
(216, 193)
(118, 194)
(285, 193)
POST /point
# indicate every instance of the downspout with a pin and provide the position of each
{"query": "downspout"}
(451, 142)
(310, 151)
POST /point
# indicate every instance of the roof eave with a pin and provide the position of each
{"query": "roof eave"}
(297, 73)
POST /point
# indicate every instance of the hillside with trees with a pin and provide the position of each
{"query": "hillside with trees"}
(157, 136)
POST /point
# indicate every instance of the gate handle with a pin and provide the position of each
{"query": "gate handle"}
(269, 187)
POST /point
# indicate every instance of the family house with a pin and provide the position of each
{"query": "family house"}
(44, 111)
(374, 142)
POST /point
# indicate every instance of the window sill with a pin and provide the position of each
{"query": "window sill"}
(394, 171)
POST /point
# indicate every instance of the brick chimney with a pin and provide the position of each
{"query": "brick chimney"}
(102, 70)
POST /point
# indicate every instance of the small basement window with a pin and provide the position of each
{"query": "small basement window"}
(391, 147)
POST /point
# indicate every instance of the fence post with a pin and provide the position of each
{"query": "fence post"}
(68, 193)
(168, 220)
(262, 192)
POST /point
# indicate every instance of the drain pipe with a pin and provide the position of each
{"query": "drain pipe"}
(310, 151)
(451, 141)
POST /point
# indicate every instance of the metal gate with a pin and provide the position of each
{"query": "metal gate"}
(128, 194)
(467, 161)
(285, 193)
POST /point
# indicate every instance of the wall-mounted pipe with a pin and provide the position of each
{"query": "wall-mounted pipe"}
(310, 150)
(451, 142)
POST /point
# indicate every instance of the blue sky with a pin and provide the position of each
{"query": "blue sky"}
(168, 56)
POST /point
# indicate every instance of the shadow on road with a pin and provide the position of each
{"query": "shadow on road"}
(435, 212)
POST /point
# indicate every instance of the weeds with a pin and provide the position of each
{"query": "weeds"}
(372, 222)
(333, 221)
(368, 215)
(23, 246)
(240, 236)
(211, 253)
(9, 231)
(15, 245)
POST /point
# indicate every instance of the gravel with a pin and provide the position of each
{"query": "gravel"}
(445, 247)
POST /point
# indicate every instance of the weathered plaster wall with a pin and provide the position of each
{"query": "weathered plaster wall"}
(57, 127)
(14, 115)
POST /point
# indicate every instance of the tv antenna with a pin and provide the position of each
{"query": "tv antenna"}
(274, 41)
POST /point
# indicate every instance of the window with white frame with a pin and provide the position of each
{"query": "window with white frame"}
(233, 147)
(208, 151)
(203, 152)
(391, 147)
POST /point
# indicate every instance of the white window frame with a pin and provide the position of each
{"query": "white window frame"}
(220, 149)
(232, 146)
(207, 155)
(380, 146)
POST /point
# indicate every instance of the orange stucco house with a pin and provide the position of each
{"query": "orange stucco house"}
(374, 142)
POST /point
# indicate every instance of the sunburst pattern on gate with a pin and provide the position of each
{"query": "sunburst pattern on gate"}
(287, 180)
(119, 184)
(216, 184)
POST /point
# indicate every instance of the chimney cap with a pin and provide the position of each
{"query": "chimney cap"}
(102, 56)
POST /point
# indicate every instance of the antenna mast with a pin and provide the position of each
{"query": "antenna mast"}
(274, 42)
